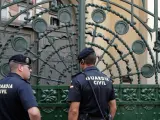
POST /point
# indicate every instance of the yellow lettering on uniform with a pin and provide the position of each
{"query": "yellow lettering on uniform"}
(92, 77)
(102, 78)
(106, 78)
(96, 78)
(98, 82)
(103, 83)
(6, 86)
(99, 78)
(3, 91)
(95, 82)
(87, 78)
(10, 86)
(1, 86)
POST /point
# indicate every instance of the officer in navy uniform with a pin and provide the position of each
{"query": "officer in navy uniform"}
(91, 93)
(17, 101)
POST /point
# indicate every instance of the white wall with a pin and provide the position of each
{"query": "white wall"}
(150, 7)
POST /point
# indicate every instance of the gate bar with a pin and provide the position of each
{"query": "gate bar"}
(156, 28)
(0, 10)
(81, 24)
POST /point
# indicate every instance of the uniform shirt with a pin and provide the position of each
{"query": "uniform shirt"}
(16, 97)
(81, 91)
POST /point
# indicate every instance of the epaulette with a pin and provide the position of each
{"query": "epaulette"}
(76, 74)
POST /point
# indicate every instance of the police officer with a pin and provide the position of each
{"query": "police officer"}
(17, 101)
(91, 93)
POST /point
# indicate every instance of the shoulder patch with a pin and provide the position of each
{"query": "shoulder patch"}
(71, 86)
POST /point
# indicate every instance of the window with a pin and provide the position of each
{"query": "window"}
(54, 21)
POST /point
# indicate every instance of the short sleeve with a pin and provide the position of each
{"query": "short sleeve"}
(112, 94)
(26, 96)
(74, 91)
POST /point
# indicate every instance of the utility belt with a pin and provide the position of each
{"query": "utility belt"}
(89, 117)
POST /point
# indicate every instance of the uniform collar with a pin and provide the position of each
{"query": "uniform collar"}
(16, 75)
(90, 68)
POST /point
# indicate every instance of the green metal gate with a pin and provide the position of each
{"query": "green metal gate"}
(52, 32)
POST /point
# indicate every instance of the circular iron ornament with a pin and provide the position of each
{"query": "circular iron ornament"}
(121, 27)
(147, 71)
(64, 16)
(19, 44)
(39, 25)
(138, 47)
(98, 16)
(4, 69)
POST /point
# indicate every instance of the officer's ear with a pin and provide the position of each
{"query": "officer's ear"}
(82, 62)
(20, 67)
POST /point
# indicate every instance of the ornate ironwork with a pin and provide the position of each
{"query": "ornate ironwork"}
(54, 49)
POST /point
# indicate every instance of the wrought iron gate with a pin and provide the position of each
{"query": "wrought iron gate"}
(52, 32)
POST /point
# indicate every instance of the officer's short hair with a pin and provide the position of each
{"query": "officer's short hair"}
(13, 66)
(90, 59)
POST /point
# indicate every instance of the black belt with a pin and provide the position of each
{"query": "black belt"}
(89, 117)
(97, 118)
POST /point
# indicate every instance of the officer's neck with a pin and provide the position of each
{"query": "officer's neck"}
(18, 73)
(86, 66)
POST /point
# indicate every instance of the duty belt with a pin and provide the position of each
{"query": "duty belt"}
(88, 117)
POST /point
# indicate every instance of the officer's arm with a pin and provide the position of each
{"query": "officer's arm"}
(34, 113)
(73, 111)
(74, 97)
(28, 101)
(113, 107)
(112, 103)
